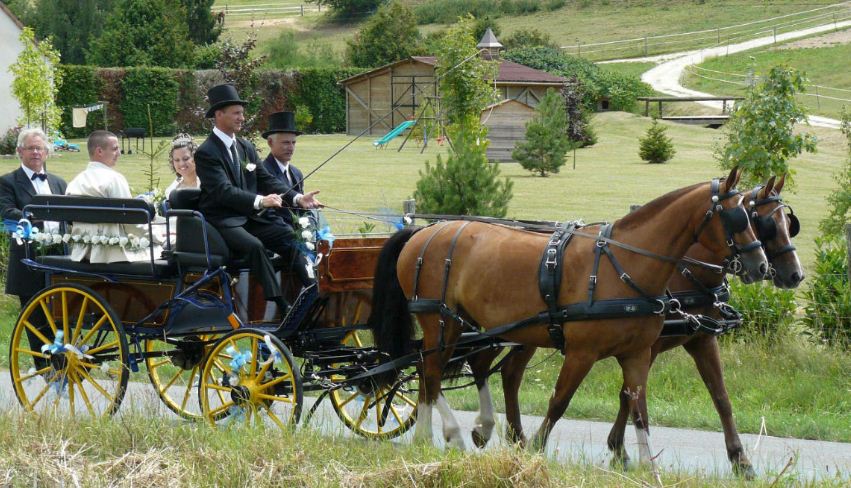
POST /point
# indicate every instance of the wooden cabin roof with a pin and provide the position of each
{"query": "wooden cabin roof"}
(510, 73)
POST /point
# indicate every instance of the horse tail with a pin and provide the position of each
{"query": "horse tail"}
(389, 319)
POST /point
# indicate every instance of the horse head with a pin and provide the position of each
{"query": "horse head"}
(776, 228)
(731, 233)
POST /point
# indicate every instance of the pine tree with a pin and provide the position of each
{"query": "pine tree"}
(546, 137)
(466, 184)
(656, 147)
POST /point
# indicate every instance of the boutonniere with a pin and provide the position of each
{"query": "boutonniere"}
(250, 167)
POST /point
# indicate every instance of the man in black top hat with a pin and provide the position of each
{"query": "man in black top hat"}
(281, 137)
(234, 191)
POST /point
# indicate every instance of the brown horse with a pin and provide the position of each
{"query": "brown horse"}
(494, 282)
(773, 228)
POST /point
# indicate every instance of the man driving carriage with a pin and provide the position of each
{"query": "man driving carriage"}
(235, 191)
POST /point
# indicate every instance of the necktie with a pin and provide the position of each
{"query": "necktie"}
(234, 157)
(40, 176)
(289, 176)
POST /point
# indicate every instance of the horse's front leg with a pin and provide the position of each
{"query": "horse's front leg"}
(572, 373)
(512, 377)
(480, 365)
(635, 368)
(704, 350)
(431, 376)
(616, 435)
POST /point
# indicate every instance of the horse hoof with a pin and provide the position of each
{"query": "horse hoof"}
(744, 471)
(478, 439)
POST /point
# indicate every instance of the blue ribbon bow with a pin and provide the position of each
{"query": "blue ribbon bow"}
(324, 234)
(239, 360)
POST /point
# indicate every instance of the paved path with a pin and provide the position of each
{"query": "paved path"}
(578, 440)
(665, 77)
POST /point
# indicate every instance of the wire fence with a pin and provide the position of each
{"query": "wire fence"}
(267, 10)
(719, 36)
(823, 99)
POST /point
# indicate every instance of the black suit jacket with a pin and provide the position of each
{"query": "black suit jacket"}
(272, 167)
(227, 197)
(16, 192)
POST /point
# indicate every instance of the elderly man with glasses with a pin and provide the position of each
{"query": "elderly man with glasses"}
(17, 190)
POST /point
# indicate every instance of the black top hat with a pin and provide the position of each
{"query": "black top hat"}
(281, 122)
(220, 96)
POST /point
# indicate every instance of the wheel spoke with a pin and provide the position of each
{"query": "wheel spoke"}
(216, 387)
(396, 414)
(33, 374)
(97, 386)
(37, 332)
(188, 390)
(274, 398)
(362, 416)
(79, 325)
(216, 411)
(40, 395)
(49, 316)
(65, 331)
(94, 329)
(277, 380)
(347, 400)
(31, 353)
(253, 368)
(274, 417)
(84, 395)
(157, 365)
(103, 347)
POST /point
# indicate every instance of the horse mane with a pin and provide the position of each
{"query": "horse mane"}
(639, 216)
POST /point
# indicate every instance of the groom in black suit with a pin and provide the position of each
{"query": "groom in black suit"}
(235, 188)
(17, 190)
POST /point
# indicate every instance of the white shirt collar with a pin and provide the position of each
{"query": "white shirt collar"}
(30, 172)
(284, 166)
(99, 165)
(228, 140)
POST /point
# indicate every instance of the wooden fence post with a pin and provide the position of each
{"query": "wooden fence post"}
(848, 247)
(302, 9)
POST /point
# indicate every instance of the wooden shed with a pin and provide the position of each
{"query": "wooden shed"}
(506, 123)
(383, 98)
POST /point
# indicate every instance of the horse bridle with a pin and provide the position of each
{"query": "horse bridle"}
(765, 225)
(734, 220)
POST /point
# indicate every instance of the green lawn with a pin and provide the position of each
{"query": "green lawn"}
(824, 66)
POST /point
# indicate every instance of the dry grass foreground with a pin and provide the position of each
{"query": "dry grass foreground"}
(134, 451)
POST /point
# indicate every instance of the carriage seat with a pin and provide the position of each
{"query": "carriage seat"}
(161, 267)
(189, 247)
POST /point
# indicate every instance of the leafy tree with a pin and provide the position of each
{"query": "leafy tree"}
(839, 200)
(466, 184)
(143, 33)
(350, 8)
(71, 24)
(482, 23)
(37, 80)
(579, 128)
(760, 133)
(656, 147)
(239, 66)
(464, 76)
(528, 38)
(203, 25)
(546, 137)
(389, 35)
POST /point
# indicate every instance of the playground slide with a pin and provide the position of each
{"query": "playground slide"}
(393, 133)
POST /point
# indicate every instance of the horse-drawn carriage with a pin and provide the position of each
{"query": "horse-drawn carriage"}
(96, 324)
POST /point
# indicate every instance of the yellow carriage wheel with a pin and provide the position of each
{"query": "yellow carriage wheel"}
(375, 413)
(68, 353)
(250, 378)
(175, 370)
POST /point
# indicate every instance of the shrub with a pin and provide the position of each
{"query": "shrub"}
(839, 200)
(317, 89)
(656, 147)
(528, 38)
(389, 35)
(828, 295)
(9, 141)
(768, 311)
(81, 87)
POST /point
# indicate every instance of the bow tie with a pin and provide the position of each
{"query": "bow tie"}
(41, 176)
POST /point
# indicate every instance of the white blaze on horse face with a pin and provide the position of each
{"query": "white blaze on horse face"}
(485, 420)
(451, 428)
(423, 432)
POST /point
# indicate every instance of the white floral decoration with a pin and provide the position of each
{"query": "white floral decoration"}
(130, 243)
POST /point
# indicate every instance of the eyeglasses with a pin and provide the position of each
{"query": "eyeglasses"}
(35, 148)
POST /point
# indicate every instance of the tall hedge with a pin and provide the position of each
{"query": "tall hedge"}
(177, 97)
(319, 92)
(80, 87)
(156, 88)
